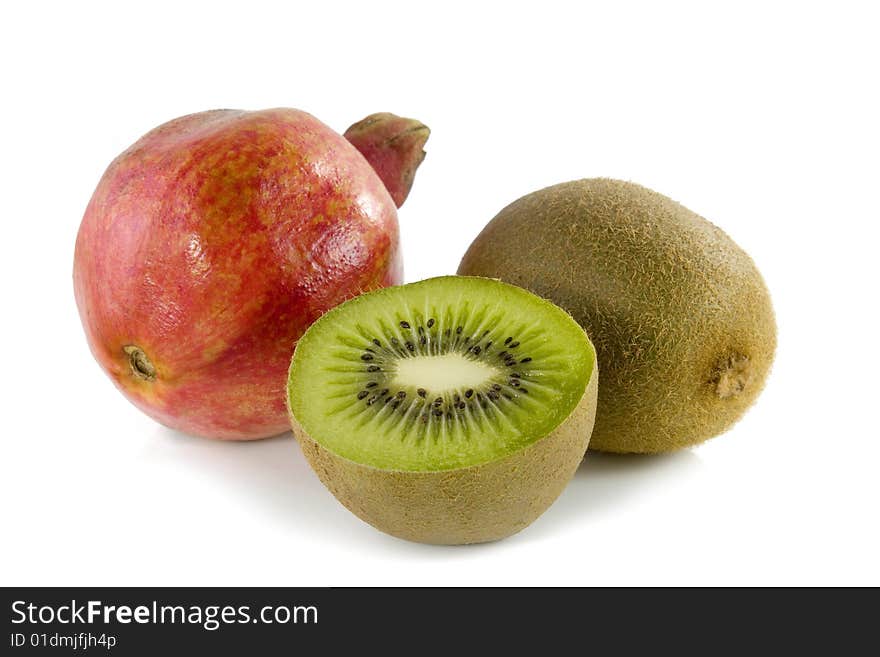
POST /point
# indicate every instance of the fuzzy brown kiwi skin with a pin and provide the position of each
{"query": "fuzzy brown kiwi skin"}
(468, 505)
(680, 316)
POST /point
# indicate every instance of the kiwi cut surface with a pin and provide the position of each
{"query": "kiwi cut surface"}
(681, 318)
(453, 410)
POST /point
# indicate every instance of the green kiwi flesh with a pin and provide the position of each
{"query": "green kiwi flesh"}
(681, 318)
(452, 410)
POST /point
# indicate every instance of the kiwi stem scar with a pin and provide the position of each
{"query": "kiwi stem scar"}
(141, 366)
(446, 372)
(732, 377)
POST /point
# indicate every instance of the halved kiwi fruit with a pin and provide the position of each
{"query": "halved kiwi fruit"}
(453, 410)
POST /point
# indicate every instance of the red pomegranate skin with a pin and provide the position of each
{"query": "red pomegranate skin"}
(208, 248)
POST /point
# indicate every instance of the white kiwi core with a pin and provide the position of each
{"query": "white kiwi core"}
(447, 372)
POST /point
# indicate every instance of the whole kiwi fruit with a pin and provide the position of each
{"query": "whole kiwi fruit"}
(680, 317)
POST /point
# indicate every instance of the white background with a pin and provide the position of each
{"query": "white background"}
(762, 117)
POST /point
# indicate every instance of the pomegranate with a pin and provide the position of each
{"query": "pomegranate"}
(212, 243)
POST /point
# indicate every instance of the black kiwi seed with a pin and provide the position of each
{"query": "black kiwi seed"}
(373, 368)
(477, 350)
(437, 412)
(401, 394)
(421, 330)
(422, 392)
(410, 346)
(513, 345)
(507, 341)
(395, 341)
(514, 383)
(372, 351)
(438, 401)
(459, 330)
(423, 340)
(496, 386)
(456, 398)
(362, 394)
(366, 356)
(372, 384)
(395, 403)
(515, 375)
(467, 339)
(430, 323)
(383, 392)
(503, 354)
(404, 325)
(492, 395)
(485, 333)
(461, 406)
(469, 393)
(507, 396)
(525, 391)
(387, 399)
(526, 359)
(488, 344)
(371, 400)
(376, 342)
